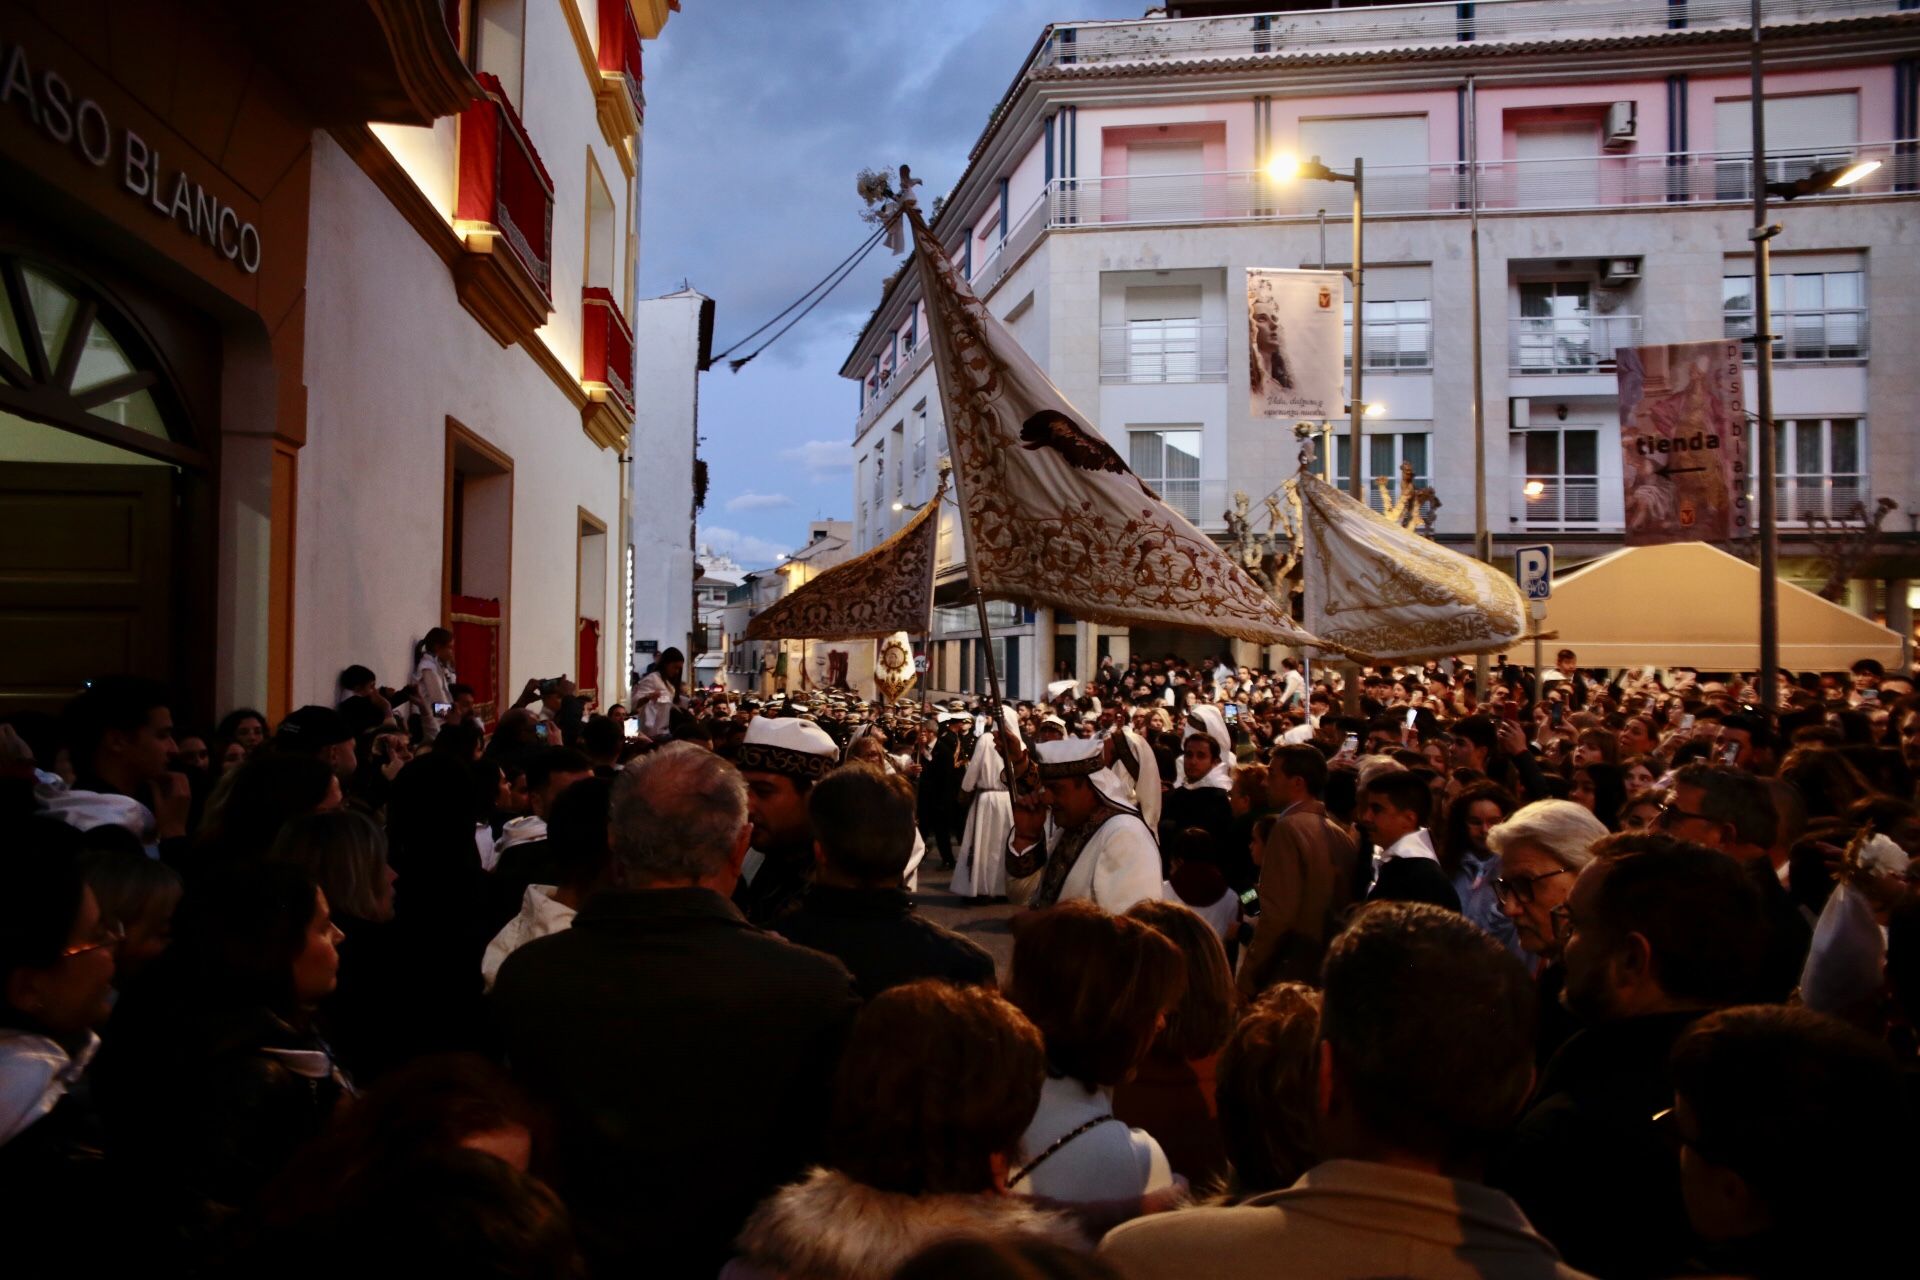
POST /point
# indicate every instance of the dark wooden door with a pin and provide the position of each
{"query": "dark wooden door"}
(86, 563)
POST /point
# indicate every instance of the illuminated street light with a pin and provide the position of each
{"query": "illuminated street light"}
(1819, 181)
(1376, 410)
(1534, 488)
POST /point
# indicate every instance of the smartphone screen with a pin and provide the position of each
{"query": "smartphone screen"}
(441, 708)
(1686, 721)
(631, 729)
(541, 730)
(1352, 745)
(1730, 753)
(1413, 713)
(1250, 897)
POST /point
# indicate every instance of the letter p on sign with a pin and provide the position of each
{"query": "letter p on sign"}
(1533, 569)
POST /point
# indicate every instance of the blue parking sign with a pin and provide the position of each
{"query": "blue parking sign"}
(1533, 570)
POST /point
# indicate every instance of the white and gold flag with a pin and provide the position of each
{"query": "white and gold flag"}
(875, 594)
(1376, 590)
(1053, 516)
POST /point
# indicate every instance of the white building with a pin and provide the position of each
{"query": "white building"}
(1109, 212)
(794, 666)
(673, 337)
(321, 309)
(718, 576)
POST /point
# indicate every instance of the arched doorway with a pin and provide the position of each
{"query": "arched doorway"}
(102, 472)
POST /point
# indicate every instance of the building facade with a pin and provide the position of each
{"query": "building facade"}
(332, 347)
(794, 666)
(1110, 211)
(718, 575)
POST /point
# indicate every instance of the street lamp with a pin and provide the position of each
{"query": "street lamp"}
(1284, 168)
(1761, 234)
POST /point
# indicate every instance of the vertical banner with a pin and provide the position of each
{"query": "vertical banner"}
(1294, 344)
(1683, 443)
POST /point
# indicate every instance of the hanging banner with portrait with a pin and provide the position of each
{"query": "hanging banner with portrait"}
(1684, 443)
(1294, 347)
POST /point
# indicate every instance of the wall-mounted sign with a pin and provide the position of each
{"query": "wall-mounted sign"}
(80, 124)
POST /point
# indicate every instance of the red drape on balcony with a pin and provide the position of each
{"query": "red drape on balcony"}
(588, 678)
(476, 650)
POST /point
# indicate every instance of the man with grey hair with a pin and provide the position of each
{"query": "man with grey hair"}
(684, 1055)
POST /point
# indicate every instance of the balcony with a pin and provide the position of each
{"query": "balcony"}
(606, 368)
(1568, 344)
(1834, 336)
(1663, 180)
(1557, 502)
(893, 384)
(1830, 497)
(1400, 28)
(1162, 351)
(504, 213)
(619, 102)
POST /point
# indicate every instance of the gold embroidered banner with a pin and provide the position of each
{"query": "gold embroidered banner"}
(1053, 515)
(875, 594)
(1378, 591)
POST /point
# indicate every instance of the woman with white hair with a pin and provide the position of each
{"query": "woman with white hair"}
(1542, 849)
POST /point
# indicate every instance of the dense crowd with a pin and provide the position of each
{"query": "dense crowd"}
(1607, 973)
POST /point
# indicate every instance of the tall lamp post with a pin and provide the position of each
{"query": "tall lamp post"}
(1280, 169)
(1762, 234)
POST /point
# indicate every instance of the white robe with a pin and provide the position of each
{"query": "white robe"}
(1119, 866)
(981, 871)
(1145, 784)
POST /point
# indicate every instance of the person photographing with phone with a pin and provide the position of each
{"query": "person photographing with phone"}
(433, 678)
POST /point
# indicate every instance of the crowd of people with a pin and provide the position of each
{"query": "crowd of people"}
(1600, 973)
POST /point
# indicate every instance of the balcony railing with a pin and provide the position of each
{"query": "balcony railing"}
(1505, 186)
(1561, 502)
(1001, 256)
(893, 384)
(620, 52)
(1163, 351)
(503, 185)
(1398, 27)
(1829, 496)
(1393, 344)
(1568, 344)
(606, 354)
(1835, 335)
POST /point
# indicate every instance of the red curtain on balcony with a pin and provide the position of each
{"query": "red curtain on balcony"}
(588, 677)
(476, 650)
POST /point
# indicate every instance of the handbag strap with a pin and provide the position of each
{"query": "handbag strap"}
(1054, 1147)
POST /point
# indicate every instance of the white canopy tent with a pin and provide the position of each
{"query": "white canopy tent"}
(1690, 604)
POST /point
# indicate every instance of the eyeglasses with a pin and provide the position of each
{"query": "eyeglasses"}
(1671, 813)
(111, 933)
(1520, 888)
(1561, 918)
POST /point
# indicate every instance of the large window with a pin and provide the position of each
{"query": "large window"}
(1399, 334)
(1820, 465)
(920, 439)
(1555, 329)
(1163, 350)
(1817, 315)
(1168, 458)
(1561, 487)
(1385, 453)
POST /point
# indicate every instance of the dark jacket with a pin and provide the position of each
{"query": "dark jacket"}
(1307, 875)
(939, 793)
(1586, 1162)
(686, 1058)
(776, 888)
(1788, 936)
(1414, 880)
(875, 933)
(1209, 809)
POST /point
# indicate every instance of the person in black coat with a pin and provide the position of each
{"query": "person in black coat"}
(855, 909)
(685, 1056)
(1394, 810)
(939, 798)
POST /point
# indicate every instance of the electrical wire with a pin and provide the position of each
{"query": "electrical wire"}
(864, 247)
(818, 298)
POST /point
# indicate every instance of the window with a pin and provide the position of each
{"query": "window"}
(1168, 459)
(1399, 334)
(1817, 315)
(1379, 140)
(1804, 132)
(1561, 486)
(879, 477)
(1558, 332)
(497, 31)
(899, 451)
(1385, 453)
(1820, 467)
(920, 439)
(600, 231)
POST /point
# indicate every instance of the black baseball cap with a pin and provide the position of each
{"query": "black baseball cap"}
(312, 728)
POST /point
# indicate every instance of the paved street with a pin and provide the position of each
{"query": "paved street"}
(990, 926)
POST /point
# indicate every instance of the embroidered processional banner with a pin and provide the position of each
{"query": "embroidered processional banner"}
(1294, 358)
(1380, 591)
(1053, 515)
(875, 594)
(1683, 443)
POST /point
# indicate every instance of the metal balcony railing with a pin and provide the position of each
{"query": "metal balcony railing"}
(1832, 496)
(1399, 27)
(1163, 351)
(1560, 502)
(1505, 186)
(1833, 336)
(1568, 344)
(893, 384)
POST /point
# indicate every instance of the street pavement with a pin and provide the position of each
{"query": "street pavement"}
(990, 926)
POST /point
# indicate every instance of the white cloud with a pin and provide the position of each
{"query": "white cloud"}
(752, 551)
(759, 502)
(819, 456)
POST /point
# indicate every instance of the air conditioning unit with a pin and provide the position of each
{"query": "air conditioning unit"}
(1620, 271)
(1622, 122)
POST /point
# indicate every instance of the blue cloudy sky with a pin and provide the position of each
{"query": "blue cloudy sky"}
(759, 115)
